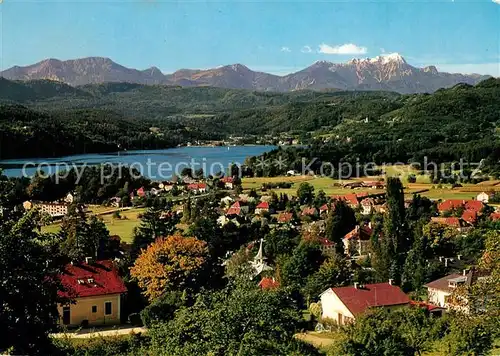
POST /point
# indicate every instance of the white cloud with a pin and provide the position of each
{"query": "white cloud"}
(285, 49)
(306, 49)
(382, 50)
(348, 48)
(496, 1)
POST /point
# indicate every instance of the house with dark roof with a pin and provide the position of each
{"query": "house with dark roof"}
(345, 304)
(95, 289)
(440, 290)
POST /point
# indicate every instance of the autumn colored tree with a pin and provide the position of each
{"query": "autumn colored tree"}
(171, 263)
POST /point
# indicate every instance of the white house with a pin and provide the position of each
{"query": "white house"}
(70, 198)
(484, 197)
(345, 304)
(440, 290)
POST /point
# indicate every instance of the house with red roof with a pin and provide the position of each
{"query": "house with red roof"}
(455, 204)
(228, 182)
(197, 187)
(326, 245)
(345, 304)
(324, 209)
(285, 217)
(358, 240)
(455, 222)
(96, 289)
(267, 283)
(470, 216)
(309, 211)
(141, 192)
(237, 209)
(350, 199)
(495, 216)
(262, 207)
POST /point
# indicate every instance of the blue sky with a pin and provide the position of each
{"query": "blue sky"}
(273, 36)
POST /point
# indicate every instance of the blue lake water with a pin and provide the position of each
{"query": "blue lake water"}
(155, 164)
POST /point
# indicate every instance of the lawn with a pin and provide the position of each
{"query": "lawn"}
(122, 227)
(330, 187)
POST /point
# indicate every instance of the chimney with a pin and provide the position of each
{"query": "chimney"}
(465, 272)
(459, 257)
(391, 281)
(88, 260)
(446, 262)
(356, 285)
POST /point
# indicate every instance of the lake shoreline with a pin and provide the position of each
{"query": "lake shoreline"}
(148, 162)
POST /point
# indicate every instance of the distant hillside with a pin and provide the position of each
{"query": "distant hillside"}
(391, 73)
(121, 115)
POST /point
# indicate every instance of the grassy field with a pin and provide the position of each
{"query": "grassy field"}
(122, 227)
(331, 187)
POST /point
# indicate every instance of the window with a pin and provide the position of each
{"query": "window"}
(108, 308)
(94, 308)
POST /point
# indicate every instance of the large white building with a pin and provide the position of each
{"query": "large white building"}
(53, 209)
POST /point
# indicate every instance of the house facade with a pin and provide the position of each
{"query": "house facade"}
(53, 209)
(96, 289)
(440, 290)
(358, 241)
(344, 304)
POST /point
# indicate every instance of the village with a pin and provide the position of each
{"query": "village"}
(289, 205)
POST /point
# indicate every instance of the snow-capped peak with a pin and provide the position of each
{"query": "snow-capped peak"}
(388, 58)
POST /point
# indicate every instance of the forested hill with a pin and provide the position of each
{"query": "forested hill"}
(457, 123)
(123, 115)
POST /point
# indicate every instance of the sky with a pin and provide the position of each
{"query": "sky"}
(272, 36)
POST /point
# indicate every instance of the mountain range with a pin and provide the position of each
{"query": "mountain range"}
(388, 72)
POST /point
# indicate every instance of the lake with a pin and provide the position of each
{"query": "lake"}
(154, 164)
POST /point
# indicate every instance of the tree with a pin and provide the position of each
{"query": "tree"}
(320, 199)
(406, 331)
(85, 238)
(163, 308)
(468, 336)
(391, 250)
(304, 261)
(28, 292)
(305, 193)
(233, 322)
(171, 263)
(187, 172)
(341, 219)
(439, 239)
(154, 224)
(334, 272)
(280, 241)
